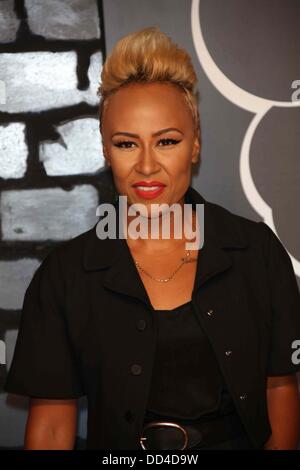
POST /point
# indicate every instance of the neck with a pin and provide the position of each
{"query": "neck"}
(161, 231)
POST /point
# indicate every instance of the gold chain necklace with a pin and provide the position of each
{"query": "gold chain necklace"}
(184, 260)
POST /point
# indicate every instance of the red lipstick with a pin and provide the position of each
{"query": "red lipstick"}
(148, 189)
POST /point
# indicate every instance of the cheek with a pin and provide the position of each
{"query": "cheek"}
(121, 169)
(120, 163)
(181, 161)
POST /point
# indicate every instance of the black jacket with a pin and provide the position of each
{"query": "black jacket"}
(87, 325)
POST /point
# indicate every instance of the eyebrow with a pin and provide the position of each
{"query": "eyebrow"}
(161, 131)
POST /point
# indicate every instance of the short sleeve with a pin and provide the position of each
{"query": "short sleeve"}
(285, 303)
(44, 364)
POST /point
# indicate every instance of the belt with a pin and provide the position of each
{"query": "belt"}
(173, 435)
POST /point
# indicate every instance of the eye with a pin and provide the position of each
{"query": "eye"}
(123, 144)
(171, 141)
(127, 144)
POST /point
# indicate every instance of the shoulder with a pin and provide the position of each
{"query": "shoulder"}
(260, 239)
(66, 257)
(230, 225)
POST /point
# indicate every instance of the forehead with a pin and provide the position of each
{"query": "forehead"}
(140, 103)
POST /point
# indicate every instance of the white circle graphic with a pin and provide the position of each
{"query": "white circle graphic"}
(245, 100)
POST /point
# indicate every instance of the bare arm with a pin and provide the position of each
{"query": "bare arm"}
(284, 412)
(51, 424)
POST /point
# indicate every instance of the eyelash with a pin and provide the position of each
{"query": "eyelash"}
(121, 142)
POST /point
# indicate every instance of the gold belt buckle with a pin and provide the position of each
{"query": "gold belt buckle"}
(168, 424)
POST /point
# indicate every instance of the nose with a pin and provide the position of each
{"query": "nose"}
(147, 163)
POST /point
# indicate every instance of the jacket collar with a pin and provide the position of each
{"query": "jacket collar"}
(222, 231)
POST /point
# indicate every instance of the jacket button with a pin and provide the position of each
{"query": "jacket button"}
(228, 353)
(141, 325)
(243, 397)
(210, 312)
(136, 369)
(129, 416)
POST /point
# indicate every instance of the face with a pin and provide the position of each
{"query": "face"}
(148, 138)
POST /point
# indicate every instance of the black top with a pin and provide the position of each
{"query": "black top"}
(87, 325)
(187, 382)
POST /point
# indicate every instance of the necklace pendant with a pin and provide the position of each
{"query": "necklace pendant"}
(186, 259)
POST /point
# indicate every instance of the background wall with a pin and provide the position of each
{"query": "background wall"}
(246, 55)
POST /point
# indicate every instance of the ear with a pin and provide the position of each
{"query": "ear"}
(196, 149)
(105, 155)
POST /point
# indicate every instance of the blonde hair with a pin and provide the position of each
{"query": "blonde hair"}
(149, 55)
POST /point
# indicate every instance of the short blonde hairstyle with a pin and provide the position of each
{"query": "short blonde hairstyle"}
(149, 55)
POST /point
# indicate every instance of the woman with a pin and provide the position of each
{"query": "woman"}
(174, 347)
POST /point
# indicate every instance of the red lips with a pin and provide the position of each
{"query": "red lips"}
(147, 193)
(148, 183)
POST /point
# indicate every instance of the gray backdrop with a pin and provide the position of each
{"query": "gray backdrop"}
(246, 55)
